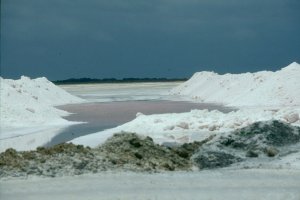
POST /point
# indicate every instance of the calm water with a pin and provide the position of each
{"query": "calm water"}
(101, 116)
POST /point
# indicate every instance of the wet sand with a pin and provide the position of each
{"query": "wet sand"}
(101, 116)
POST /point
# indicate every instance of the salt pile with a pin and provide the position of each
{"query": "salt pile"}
(27, 102)
(265, 88)
(190, 126)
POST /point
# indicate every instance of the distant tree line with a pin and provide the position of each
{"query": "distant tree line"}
(114, 80)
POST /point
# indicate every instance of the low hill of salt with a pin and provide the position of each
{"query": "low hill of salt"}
(265, 88)
(30, 102)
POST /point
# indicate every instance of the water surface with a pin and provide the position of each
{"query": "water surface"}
(101, 116)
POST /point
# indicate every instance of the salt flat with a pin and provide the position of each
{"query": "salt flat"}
(260, 184)
(111, 92)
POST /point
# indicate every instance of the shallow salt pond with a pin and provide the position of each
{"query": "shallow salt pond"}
(110, 105)
(101, 116)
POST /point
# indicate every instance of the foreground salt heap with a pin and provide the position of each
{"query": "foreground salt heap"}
(27, 108)
(27, 102)
(265, 88)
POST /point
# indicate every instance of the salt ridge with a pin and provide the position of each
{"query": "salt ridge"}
(30, 102)
(265, 88)
(191, 126)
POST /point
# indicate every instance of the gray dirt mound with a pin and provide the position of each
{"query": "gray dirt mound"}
(125, 151)
(214, 159)
(260, 139)
(62, 159)
(272, 132)
(129, 150)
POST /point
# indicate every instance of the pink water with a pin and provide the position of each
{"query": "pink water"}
(102, 116)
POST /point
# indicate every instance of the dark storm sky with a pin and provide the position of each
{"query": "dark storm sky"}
(61, 39)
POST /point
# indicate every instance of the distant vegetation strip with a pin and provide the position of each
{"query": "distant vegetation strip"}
(114, 80)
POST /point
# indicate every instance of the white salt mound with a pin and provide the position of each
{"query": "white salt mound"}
(265, 88)
(193, 125)
(29, 102)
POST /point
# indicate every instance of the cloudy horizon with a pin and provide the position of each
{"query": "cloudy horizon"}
(63, 39)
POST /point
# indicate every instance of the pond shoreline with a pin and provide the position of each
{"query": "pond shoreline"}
(105, 115)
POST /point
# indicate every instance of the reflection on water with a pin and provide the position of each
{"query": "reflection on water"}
(101, 116)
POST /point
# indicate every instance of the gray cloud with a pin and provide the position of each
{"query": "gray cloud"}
(139, 38)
